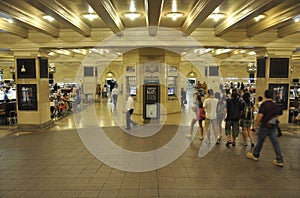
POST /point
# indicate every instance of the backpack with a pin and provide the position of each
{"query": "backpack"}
(234, 110)
(247, 112)
(201, 114)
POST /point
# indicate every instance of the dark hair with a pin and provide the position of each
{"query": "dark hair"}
(218, 95)
(211, 92)
(269, 93)
(260, 98)
(246, 97)
(200, 104)
(234, 95)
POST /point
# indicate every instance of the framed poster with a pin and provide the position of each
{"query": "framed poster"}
(281, 94)
(88, 71)
(27, 96)
(26, 68)
(151, 111)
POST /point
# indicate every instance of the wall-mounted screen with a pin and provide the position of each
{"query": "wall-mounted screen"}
(132, 91)
(213, 71)
(279, 68)
(43, 67)
(171, 91)
(88, 71)
(261, 68)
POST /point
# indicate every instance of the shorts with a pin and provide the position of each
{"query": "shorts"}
(246, 123)
(232, 127)
(212, 122)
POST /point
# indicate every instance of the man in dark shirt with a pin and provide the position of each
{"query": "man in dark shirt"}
(267, 111)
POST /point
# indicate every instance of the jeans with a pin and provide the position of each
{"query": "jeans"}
(114, 99)
(262, 134)
(128, 119)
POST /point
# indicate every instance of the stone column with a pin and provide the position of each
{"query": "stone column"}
(276, 76)
(32, 80)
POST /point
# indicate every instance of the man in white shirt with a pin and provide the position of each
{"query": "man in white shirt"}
(129, 107)
(210, 107)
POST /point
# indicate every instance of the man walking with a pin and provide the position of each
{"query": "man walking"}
(210, 108)
(129, 106)
(267, 113)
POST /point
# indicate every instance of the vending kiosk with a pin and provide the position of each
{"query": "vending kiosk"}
(151, 101)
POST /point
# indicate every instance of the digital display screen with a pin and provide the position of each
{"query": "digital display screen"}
(132, 91)
(171, 91)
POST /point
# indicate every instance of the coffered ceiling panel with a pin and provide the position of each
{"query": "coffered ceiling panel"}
(117, 15)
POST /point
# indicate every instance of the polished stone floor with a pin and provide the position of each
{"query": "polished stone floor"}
(88, 154)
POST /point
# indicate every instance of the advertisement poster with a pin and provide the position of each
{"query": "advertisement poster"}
(27, 97)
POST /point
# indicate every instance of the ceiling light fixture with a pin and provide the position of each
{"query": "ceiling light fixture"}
(174, 15)
(132, 15)
(8, 20)
(259, 17)
(90, 16)
(48, 18)
(297, 18)
(216, 16)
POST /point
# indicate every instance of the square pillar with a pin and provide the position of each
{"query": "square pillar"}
(33, 106)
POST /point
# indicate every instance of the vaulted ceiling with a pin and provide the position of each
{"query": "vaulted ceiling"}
(20, 17)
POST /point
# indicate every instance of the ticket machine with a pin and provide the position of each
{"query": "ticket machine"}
(151, 99)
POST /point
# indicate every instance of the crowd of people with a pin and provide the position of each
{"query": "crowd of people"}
(236, 108)
(63, 103)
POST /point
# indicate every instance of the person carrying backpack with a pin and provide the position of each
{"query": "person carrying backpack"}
(247, 118)
(234, 109)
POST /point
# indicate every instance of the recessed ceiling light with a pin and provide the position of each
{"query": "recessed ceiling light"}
(48, 17)
(8, 20)
(174, 15)
(132, 15)
(259, 17)
(90, 16)
(297, 18)
(216, 16)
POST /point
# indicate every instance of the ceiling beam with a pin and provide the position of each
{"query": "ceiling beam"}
(153, 10)
(108, 13)
(24, 12)
(276, 19)
(289, 30)
(198, 14)
(65, 15)
(244, 14)
(13, 28)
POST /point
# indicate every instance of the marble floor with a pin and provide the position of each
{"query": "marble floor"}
(88, 154)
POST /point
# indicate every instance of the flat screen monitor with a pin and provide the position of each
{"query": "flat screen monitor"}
(279, 67)
(132, 91)
(171, 91)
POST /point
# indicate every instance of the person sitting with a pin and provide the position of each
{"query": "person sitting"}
(10, 109)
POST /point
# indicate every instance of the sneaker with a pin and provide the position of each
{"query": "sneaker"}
(233, 143)
(251, 156)
(228, 143)
(276, 163)
(252, 144)
(218, 141)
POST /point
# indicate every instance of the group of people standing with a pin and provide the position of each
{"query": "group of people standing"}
(237, 111)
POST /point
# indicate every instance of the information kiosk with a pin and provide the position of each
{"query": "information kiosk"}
(151, 102)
